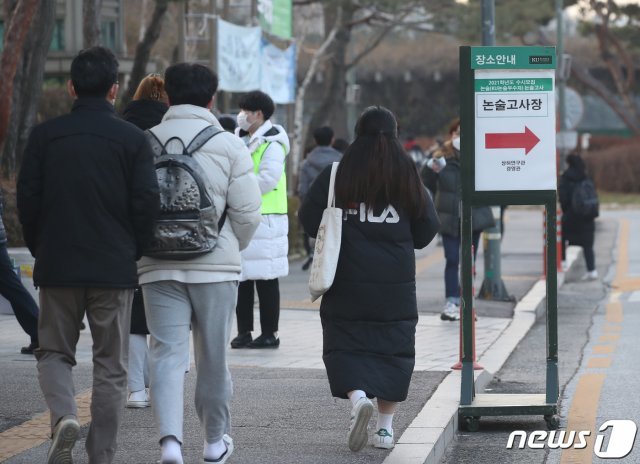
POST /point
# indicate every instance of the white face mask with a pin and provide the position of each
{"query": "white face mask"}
(243, 123)
(456, 143)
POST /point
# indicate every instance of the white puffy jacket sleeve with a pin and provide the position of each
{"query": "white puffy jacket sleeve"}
(243, 196)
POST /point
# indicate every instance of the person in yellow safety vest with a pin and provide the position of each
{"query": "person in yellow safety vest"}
(265, 259)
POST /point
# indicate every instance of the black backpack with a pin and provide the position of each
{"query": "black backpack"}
(188, 224)
(584, 199)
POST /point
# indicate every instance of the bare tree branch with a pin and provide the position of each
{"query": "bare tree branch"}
(299, 129)
(375, 42)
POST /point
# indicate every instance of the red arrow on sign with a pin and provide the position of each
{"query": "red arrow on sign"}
(526, 140)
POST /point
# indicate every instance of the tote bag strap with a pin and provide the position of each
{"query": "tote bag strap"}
(331, 200)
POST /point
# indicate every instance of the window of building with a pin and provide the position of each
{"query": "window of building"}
(108, 32)
(57, 41)
(1, 34)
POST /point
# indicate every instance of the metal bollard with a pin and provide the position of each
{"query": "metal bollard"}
(558, 241)
(458, 366)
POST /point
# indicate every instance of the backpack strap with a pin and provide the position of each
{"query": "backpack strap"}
(156, 146)
(201, 138)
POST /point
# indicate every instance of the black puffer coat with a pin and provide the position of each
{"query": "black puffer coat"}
(447, 198)
(145, 114)
(87, 198)
(576, 229)
(369, 315)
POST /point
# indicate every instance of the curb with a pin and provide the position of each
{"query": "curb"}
(434, 428)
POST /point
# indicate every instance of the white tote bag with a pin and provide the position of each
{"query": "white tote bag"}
(327, 248)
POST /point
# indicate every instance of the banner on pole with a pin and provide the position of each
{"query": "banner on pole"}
(238, 57)
(278, 74)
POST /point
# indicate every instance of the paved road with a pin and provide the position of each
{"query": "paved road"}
(598, 358)
(282, 409)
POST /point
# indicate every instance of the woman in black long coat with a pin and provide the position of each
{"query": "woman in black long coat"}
(145, 111)
(369, 314)
(577, 229)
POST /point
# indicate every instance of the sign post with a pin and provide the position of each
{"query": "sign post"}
(508, 138)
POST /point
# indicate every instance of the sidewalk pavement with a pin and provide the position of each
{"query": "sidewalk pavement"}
(282, 409)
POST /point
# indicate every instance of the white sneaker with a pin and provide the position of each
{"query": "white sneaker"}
(383, 439)
(360, 415)
(139, 399)
(451, 312)
(591, 275)
(228, 441)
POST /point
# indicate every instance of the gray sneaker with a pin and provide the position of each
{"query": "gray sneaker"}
(360, 415)
(64, 439)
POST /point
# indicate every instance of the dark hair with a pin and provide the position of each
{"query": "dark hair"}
(93, 71)
(190, 84)
(256, 100)
(376, 170)
(227, 122)
(340, 144)
(576, 162)
(323, 136)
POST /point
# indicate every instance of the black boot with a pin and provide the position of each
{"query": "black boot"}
(242, 340)
(265, 341)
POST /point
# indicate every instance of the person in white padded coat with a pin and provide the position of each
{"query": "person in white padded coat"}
(265, 259)
(199, 292)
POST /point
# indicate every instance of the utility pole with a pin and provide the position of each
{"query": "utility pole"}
(493, 287)
(561, 76)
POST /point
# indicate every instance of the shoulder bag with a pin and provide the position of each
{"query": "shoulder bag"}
(327, 248)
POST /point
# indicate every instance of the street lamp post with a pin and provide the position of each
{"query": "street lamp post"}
(493, 287)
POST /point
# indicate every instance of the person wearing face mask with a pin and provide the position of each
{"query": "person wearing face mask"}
(265, 259)
(443, 171)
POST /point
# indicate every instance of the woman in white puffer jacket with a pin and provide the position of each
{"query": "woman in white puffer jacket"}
(265, 259)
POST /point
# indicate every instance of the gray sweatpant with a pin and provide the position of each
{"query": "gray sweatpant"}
(171, 308)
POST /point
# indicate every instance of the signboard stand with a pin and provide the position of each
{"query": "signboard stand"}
(508, 158)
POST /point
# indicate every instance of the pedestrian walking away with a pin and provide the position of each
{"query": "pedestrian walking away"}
(146, 110)
(443, 171)
(186, 285)
(579, 203)
(369, 314)
(266, 258)
(22, 303)
(87, 201)
(319, 158)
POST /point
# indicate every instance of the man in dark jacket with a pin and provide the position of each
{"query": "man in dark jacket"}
(87, 200)
(22, 303)
(317, 159)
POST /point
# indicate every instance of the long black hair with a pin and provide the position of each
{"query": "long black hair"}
(376, 170)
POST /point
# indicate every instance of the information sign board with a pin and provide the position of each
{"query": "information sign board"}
(515, 123)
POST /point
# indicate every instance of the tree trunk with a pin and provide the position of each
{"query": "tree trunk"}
(299, 129)
(27, 92)
(91, 10)
(332, 110)
(144, 47)
(11, 54)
